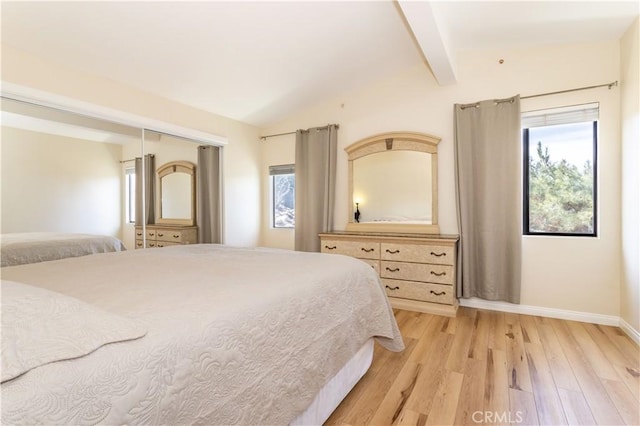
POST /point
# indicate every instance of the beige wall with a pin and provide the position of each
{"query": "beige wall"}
(59, 184)
(240, 156)
(630, 94)
(578, 274)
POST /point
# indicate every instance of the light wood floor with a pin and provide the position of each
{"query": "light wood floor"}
(498, 368)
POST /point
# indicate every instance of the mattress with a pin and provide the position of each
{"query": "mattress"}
(33, 247)
(233, 336)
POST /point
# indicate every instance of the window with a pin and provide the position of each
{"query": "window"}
(130, 194)
(560, 148)
(283, 188)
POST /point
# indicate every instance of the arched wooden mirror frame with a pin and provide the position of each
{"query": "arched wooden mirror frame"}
(407, 141)
(178, 167)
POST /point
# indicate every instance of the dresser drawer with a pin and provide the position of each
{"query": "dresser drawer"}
(421, 253)
(375, 264)
(419, 291)
(181, 236)
(441, 274)
(165, 244)
(360, 249)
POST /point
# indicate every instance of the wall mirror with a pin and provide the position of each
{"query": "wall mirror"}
(393, 183)
(177, 190)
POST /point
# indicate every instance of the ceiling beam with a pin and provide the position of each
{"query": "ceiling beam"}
(423, 24)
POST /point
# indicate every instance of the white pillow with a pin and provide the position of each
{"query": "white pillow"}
(41, 326)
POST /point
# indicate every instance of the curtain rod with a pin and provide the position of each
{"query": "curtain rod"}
(126, 161)
(264, 138)
(609, 85)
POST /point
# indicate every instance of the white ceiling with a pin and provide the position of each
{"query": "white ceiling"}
(258, 62)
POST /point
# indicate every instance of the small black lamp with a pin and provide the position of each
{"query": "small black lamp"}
(356, 215)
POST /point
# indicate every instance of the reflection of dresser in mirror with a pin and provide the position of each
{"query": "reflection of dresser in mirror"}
(393, 180)
(176, 222)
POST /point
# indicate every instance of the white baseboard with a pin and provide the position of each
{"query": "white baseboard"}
(553, 313)
(630, 331)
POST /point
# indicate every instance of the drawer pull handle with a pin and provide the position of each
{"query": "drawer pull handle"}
(392, 252)
(160, 235)
(151, 234)
(176, 235)
(392, 270)
(392, 288)
(438, 293)
(438, 254)
(438, 274)
(366, 250)
(330, 248)
(139, 234)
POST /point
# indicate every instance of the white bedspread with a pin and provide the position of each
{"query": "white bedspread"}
(235, 336)
(33, 247)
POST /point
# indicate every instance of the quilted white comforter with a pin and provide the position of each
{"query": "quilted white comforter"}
(33, 247)
(234, 336)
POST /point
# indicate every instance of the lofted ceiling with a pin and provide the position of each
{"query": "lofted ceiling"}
(259, 62)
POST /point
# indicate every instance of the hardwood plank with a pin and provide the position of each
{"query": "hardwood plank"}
(480, 336)
(428, 339)
(497, 338)
(591, 351)
(443, 409)
(411, 418)
(602, 408)
(416, 324)
(631, 378)
(560, 368)
(522, 408)
(529, 329)
(624, 401)
(471, 399)
(608, 348)
(496, 389)
(518, 368)
(462, 339)
(392, 406)
(576, 408)
(363, 399)
(548, 404)
(433, 375)
(624, 343)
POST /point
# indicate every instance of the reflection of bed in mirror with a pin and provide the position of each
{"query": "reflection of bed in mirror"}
(34, 247)
(62, 172)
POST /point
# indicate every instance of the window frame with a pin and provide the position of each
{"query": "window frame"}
(284, 169)
(525, 194)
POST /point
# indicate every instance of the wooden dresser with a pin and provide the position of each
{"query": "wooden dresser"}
(417, 270)
(167, 235)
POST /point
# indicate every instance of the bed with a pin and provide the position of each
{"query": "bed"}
(33, 247)
(218, 335)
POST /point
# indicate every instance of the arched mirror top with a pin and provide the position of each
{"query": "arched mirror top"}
(399, 141)
(393, 183)
(177, 193)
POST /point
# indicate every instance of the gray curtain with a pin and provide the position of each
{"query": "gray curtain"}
(208, 205)
(316, 153)
(148, 216)
(488, 190)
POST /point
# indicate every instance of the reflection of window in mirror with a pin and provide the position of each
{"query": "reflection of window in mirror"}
(130, 194)
(393, 186)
